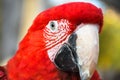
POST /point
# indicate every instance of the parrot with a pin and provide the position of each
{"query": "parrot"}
(61, 44)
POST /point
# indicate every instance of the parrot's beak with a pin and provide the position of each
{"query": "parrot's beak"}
(80, 52)
(87, 49)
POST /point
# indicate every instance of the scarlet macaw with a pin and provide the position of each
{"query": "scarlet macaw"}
(61, 44)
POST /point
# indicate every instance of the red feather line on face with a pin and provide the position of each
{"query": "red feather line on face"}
(75, 12)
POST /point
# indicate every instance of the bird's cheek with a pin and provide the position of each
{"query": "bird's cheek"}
(87, 49)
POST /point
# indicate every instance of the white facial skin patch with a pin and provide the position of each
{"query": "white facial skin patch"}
(56, 34)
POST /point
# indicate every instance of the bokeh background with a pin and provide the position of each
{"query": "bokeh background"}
(16, 16)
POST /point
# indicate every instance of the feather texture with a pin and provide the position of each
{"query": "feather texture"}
(31, 61)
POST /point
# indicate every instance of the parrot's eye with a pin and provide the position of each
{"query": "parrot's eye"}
(53, 25)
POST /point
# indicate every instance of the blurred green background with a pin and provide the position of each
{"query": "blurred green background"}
(110, 41)
(17, 15)
(109, 59)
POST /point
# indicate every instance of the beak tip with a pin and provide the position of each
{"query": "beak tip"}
(85, 75)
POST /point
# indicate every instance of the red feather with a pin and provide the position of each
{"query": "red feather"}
(75, 12)
(31, 61)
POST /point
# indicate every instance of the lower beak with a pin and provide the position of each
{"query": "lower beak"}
(87, 49)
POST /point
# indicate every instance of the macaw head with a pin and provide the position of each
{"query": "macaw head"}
(69, 35)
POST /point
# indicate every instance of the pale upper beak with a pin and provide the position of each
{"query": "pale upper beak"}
(87, 49)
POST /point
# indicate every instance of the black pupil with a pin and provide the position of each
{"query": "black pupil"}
(52, 24)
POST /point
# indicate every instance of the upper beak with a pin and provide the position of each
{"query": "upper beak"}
(87, 49)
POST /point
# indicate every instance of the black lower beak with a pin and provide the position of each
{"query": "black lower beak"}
(66, 58)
